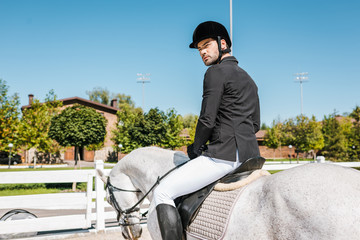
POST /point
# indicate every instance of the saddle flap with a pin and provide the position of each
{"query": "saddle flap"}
(249, 165)
(188, 205)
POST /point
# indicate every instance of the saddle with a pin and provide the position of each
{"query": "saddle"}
(188, 205)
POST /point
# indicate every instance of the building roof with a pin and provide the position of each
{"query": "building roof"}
(342, 118)
(260, 135)
(85, 102)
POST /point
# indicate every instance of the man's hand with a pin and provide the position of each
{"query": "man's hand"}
(194, 153)
(190, 151)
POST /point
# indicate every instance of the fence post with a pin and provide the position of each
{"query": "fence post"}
(100, 195)
(89, 190)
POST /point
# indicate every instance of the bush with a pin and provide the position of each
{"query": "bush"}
(34, 186)
(21, 186)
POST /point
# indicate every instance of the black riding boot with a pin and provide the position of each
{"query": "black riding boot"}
(169, 222)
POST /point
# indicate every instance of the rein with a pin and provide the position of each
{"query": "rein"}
(136, 207)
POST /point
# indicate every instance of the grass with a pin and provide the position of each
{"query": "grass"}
(287, 159)
(29, 191)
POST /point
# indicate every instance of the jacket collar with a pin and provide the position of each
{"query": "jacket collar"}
(229, 59)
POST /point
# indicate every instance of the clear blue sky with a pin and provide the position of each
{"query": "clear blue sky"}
(74, 46)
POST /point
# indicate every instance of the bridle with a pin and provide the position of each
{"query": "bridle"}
(123, 216)
(127, 213)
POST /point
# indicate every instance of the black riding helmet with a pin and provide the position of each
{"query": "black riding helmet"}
(213, 30)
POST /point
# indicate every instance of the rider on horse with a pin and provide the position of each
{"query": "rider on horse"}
(229, 119)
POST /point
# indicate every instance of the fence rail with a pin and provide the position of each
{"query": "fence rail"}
(57, 201)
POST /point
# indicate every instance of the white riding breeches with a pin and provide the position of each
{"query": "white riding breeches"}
(191, 177)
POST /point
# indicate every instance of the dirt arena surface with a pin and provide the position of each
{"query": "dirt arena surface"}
(109, 235)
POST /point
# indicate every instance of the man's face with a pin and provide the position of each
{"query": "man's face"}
(209, 51)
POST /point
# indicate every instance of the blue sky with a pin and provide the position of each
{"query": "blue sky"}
(74, 46)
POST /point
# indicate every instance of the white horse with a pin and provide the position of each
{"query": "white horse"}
(313, 201)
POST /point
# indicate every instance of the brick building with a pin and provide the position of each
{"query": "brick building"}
(109, 112)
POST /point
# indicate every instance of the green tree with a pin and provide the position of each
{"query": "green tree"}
(35, 124)
(304, 134)
(9, 118)
(355, 133)
(103, 96)
(189, 123)
(124, 101)
(99, 95)
(154, 128)
(78, 126)
(336, 137)
(264, 126)
(174, 126)
(273, 137)
(128, 128)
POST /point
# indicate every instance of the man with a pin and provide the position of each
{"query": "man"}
(228, 121)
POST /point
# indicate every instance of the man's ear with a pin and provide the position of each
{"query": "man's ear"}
(223, 44)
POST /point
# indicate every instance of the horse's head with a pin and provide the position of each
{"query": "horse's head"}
(124, 198)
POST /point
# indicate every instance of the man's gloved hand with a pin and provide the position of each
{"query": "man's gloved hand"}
(190, 151)
(194, 153)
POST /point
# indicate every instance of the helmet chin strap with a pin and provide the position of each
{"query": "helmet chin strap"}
(220, 50)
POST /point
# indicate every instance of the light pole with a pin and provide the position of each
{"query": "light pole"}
(231, 28)
(301, 77)
(290, 147)
(120, 147)
(10, 147)
(143, 78)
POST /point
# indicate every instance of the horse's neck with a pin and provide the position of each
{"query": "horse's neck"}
(144, 166)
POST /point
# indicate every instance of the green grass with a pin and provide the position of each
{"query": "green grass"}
(29, 191)
(287, 160)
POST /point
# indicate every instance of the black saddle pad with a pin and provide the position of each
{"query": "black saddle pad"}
(188, 205)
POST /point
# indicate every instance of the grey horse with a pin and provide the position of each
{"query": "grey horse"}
(313, 201)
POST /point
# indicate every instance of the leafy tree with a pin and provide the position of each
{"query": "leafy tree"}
(189, 123)
(136, 129)
(9, 118)
(103, 96)
(128, 129)
(124, 101)
(288, 131)
(264, 126)
(100, 95)
(355, 133)
(35, 124)
(273, 137)
(174, 126)
(336, 140)
(304, 133)
(78, 126)
(153, 130)
(189, 120)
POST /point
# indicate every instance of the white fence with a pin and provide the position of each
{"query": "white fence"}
(57, 201)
